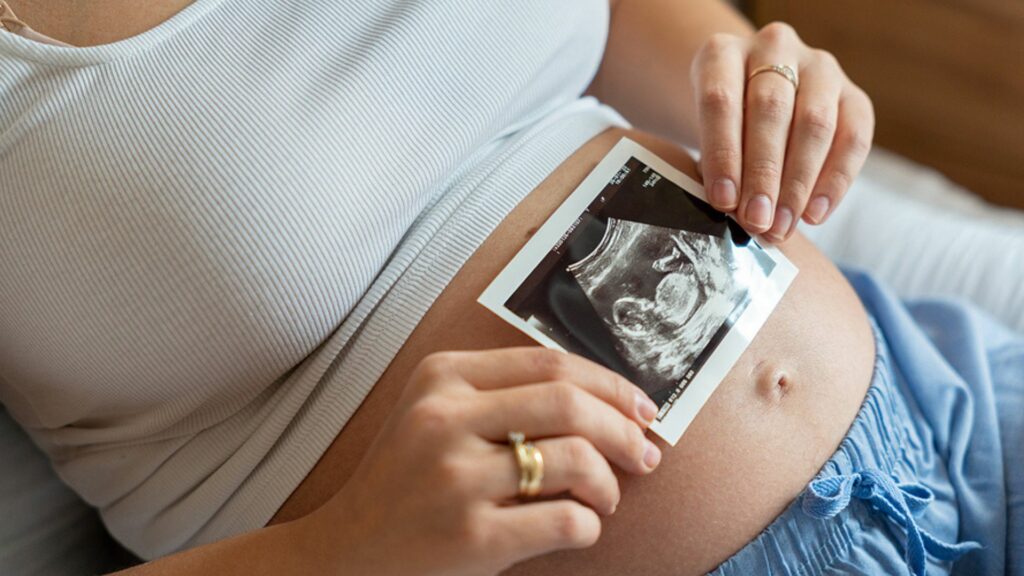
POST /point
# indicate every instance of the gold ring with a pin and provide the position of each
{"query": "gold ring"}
(530, 462)
(786, 72)
(536, 469)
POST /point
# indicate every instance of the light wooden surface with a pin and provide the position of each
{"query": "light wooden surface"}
(946, 78)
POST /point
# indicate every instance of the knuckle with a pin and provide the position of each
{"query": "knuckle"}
(580, 456)
(825, 58)
(568, 401)
(716, 46)
(633, 442)
(573, 526)
(798, 190)
(765, 174)
(869, 105)
(602, 488)
(568, 524)
(553, 364)
(615, 491)
(622, 393)
(436, 364)
(777, 32)
(771, 103)
(453, 472)
(818, 122)
(856, 140)
(720, 42)
(725, 157)
(475, 532)
(606, 485)
(718, 100)
(840, 181)
(432, 415)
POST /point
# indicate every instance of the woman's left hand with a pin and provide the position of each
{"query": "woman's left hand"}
(771, 152)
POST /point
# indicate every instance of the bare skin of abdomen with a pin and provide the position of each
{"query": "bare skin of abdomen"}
(773, 422)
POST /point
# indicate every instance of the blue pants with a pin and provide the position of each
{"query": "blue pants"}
(930, 477)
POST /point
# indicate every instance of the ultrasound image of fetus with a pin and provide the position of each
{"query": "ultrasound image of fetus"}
(664, 293)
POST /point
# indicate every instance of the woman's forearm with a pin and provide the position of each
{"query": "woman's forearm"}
(281, 550)
(433, 494)
(645, 73)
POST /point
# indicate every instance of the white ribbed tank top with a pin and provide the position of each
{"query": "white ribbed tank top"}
(214, 236)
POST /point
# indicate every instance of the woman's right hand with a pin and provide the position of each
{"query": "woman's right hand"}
(437, 491)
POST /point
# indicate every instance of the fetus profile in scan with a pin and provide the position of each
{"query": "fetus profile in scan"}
(637, 272)
(664, 293)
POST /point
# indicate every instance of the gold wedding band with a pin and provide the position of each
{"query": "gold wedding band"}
(531, 464)
(786, 72)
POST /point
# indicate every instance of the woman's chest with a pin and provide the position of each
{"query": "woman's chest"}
(96, 22)
(182, 250)
(196, 217)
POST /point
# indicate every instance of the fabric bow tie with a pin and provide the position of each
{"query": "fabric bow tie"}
(901, 502)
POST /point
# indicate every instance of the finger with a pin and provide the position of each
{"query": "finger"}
(505, 367)
(850, 146)
(528, 530)
(814, 122)
(571, 464)
(561, 408)
(718, 74)
(769, 111)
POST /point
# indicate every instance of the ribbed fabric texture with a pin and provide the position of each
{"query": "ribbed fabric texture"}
(215, 236)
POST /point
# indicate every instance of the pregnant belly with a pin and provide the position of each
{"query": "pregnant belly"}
(780, 413)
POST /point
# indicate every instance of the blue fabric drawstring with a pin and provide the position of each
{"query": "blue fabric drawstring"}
(901, 502)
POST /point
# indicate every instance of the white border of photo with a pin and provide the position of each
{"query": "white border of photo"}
(669, 425)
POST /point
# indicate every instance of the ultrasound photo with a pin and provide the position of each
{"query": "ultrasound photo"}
(663, 294)
(637, 272)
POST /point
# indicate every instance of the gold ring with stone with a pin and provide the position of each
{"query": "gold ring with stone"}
(786, 72)
(530, 462)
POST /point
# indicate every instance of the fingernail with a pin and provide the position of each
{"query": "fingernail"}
(817, 209)
(759, 211)
(723, 193)
(646, 407)
(783, 221)
(652, 456)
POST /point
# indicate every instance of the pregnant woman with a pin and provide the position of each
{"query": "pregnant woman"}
(241, 243)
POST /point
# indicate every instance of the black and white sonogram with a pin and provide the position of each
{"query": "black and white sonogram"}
(637, 272)
(664, 293)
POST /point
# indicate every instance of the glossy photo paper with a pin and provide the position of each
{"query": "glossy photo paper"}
(637, 272)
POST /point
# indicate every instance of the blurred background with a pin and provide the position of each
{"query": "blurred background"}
(946, 78)
(947, 81)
